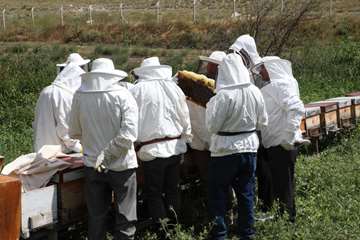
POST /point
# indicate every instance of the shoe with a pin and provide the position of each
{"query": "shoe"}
(263, 217)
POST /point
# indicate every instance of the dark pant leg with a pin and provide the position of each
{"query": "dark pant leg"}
(98, 200)
(171, 181)
(282, 167)
(244, 186)
(124, 187)
(153, 187)
(222, 171)
(263, 175)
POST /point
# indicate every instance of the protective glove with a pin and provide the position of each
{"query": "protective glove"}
(99, 165)
(287, 146)
(302, 141)
(77, 147)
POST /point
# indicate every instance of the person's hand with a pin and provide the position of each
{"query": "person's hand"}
(99, 166)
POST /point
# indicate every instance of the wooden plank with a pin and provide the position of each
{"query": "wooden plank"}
(10, 208)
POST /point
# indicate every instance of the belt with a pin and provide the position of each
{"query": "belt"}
(156, 140)
(235, 133)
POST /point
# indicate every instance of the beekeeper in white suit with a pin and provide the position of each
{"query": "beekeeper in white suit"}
(199, 151)
(164, 131)
(282, 135)
(232, 117)
(104, 117)
(54, 105)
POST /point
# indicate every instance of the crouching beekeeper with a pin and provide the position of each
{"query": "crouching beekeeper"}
(164, 130)
(53, 107)
(232, 117)
(282, 136)
(104, 117)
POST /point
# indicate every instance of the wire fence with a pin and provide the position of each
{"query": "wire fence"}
(133, 12)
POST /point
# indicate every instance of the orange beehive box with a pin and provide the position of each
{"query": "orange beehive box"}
(10, 208)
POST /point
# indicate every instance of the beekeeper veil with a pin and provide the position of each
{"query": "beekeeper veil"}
(69, 78)
(245, 46)
(232, 73)
(280, 70)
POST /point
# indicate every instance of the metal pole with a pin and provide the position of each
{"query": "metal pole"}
(331, 7)
(234, 10)
(33, 16)
(90, 15)
(62, 15)
(4, 19)
(194, 10)
(158, 11)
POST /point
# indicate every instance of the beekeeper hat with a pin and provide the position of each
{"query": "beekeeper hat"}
(247, 43)
(74, 58)
(215, 57)
(106, 66)
(151, 63)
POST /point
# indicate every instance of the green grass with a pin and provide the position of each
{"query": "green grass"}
(328, 199)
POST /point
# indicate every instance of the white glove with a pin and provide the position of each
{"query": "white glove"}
(77, 147)
(99, 166)
(287, 146)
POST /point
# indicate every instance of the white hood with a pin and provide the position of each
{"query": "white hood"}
(99, 82)
(280, 70)
(232, 73)
(154, 73)
(247, 43)
(69, 78)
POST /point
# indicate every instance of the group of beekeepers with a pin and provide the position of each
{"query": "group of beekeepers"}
(251, 127)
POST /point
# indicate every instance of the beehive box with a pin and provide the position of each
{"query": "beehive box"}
(10, 208)
(70, 190)
(344, 111)
(329, 115)
(38, 209)
(355, 98)
(310, 125)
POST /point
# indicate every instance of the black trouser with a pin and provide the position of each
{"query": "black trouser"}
(98, 195)
(161, 186)
(263, 176)
(281, 165)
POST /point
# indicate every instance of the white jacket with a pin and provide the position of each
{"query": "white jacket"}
(104, 117)
(201, 136)
(283, 104)
(53, 109)
(162, 113)
(238, 106)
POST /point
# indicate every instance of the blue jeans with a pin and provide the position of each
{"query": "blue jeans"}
(236, 171)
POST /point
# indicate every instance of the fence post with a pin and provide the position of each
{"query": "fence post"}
(4, 19)
(32, 16)
(194, 10)
(62, 15)
(90, 15)
(331, 7)
(158, 12)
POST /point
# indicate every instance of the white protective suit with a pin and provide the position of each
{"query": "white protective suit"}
(247, 43)
(104, 117)
(162, 113)
(238, 106)
(53, 110)
(283, 104)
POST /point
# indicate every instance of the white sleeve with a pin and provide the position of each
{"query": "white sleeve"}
(61, 105)
(184, 117)
(128, 132)
(216, 113)
(289, 101)
(75, 130)
(262, 117)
